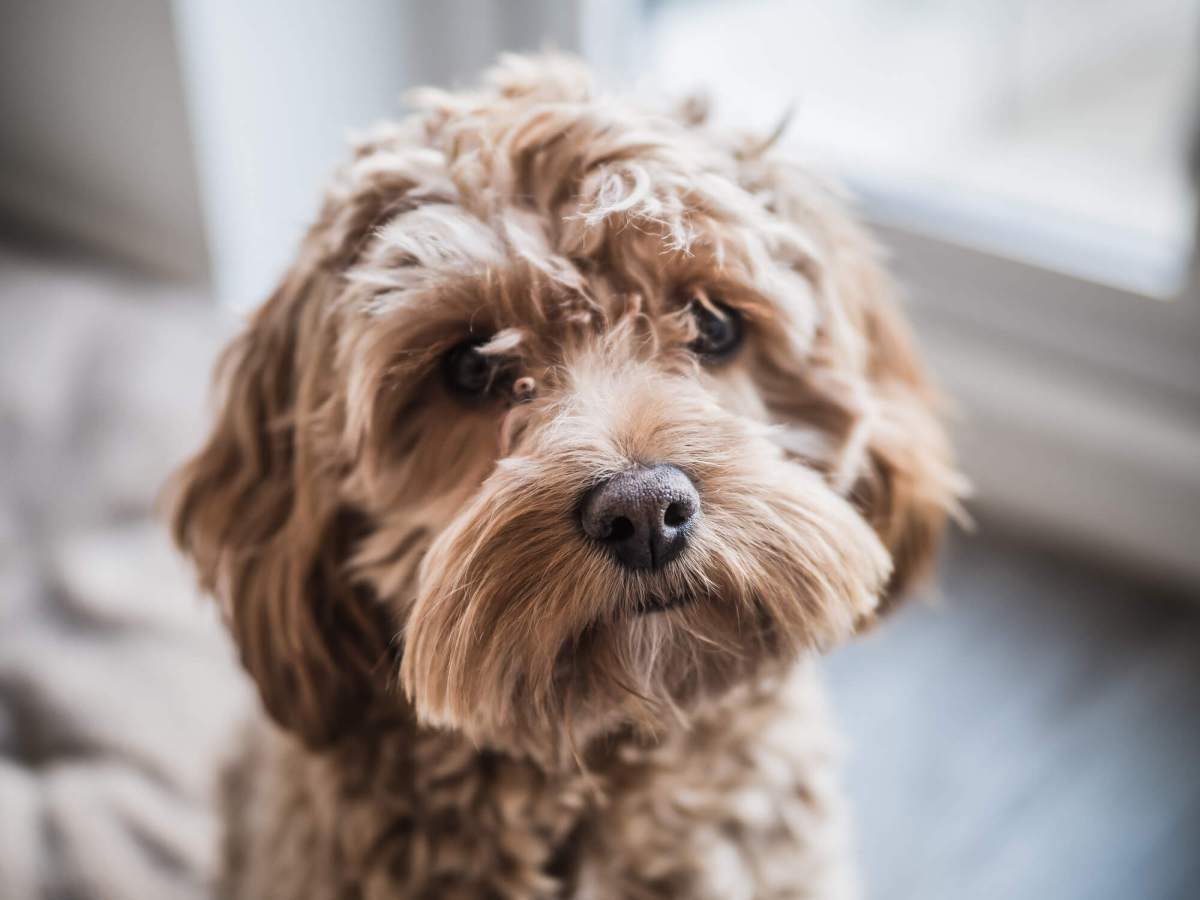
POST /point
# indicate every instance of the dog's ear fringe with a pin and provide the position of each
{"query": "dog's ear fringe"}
(912, 486)
(268, 538)
(909, 486)
(903, 477)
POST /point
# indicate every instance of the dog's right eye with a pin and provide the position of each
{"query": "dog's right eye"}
(719, 330)
(468, 371)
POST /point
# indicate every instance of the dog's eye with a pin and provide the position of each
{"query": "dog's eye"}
(468, 371)
(720, 330)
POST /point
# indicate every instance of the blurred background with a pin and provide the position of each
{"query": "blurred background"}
(1033, 731)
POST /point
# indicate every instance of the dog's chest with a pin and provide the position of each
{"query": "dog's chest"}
(729, 809)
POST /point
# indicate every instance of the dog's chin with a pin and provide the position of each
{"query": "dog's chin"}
(661, 603)
(645, 669)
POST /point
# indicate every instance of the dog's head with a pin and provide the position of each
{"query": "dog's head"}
(568, 417)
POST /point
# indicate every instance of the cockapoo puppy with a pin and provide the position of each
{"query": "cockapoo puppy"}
(573, 433)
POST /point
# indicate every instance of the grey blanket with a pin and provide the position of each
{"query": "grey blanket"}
(118, 690)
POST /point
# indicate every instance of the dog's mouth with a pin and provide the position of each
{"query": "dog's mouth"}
(659, 604)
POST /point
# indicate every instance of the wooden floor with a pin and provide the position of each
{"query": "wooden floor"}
(1033, 734)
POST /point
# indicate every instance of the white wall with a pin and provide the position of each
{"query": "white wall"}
(275, 87)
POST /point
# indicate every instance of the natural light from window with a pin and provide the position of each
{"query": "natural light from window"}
(1055, 133)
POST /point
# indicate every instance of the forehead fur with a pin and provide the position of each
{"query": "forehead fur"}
(593, 198)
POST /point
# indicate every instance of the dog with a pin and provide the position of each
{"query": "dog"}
(575, 431)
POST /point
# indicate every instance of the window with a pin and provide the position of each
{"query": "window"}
(1052, 132)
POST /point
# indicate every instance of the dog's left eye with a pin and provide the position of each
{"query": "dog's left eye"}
(468, 371)
(720, 330)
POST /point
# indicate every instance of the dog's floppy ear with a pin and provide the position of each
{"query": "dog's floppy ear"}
(908, 483)
(865, 380)
(258, 515)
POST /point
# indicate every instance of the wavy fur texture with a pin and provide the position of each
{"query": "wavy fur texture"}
(466, 696)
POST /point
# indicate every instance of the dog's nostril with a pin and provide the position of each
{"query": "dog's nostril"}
(643, 516)
(677, 514)
(619, 529)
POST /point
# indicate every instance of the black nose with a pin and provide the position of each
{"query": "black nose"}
(643, 515)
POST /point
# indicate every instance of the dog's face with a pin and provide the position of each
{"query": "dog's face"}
(569, 417)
